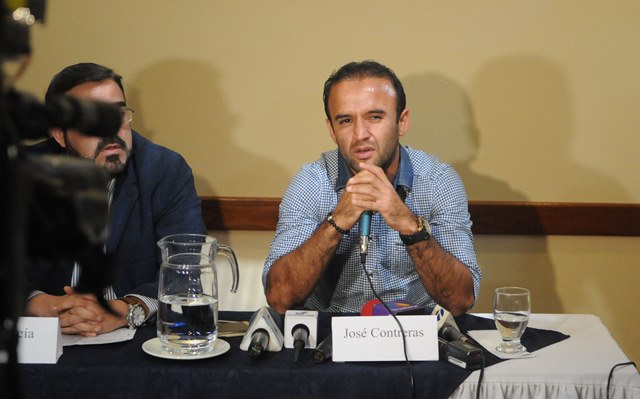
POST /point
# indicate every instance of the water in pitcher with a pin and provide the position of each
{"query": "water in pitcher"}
(188, 325)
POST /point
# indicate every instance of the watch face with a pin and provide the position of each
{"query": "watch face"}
(137, 315)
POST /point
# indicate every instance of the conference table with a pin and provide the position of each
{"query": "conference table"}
(572, 358)
(577, 367)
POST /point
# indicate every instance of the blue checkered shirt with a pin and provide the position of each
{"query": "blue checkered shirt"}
(433, 190)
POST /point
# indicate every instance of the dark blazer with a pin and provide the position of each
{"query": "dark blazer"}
(154, 197)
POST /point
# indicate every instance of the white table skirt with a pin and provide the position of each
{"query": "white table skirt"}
(577, 367)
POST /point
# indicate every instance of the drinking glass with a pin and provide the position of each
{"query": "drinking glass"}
(511, 311)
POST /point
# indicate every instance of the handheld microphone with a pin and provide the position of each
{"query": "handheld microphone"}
(324, 351)
(300, 330)
(259, 343)
(365, 230)
(444, 318)
(264, 333)
(450, 333)
(300, 334)
(454, 346)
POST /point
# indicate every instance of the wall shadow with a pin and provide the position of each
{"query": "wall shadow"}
(525, 102)
(180, 103)
(443, 123)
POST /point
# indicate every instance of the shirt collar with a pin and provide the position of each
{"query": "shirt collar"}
(404, 177)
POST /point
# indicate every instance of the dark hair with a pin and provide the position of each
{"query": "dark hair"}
(361, 70)
(78, 74)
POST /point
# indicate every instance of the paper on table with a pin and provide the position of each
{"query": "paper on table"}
(489, 339)
(119, 335)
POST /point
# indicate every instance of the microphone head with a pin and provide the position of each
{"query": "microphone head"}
(270, 322)
(259, 343)
(449, 333)
(298, 323)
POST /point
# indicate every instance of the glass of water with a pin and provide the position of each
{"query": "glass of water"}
(511, 311)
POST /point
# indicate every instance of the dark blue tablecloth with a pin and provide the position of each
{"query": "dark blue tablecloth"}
(124, 370)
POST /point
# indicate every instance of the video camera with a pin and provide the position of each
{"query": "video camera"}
(54, 209)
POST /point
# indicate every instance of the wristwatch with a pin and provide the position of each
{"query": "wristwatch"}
(136, 314)
(423, 233)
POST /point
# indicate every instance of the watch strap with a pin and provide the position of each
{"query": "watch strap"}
(423, 233)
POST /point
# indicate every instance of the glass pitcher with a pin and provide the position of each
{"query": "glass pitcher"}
(188, 292)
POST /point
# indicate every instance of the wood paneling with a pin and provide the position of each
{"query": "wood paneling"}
(519, 218)
(545, 218)
(240, 213)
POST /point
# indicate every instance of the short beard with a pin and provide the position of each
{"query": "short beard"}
(112, 165)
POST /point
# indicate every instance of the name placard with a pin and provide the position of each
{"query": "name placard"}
(379, 338)
(39, 340)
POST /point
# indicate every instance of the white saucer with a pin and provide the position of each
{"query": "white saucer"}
(154, 348)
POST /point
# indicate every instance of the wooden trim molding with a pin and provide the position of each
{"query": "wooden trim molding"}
(240, 213)
(489, 217)
(555, 218)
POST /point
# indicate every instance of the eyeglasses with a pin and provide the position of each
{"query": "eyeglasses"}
(127, 115)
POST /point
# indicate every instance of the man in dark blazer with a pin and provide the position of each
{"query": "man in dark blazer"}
(152, 195)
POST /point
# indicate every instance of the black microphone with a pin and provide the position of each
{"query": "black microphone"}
(264, 333)
(324, 351)
(300, 330)
(448, 329)
(365, 230)
(450, 333)
(456, 348)
(34, 119)
(259, 343)
(300, 333)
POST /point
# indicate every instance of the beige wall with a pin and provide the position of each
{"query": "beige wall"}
(533, 101)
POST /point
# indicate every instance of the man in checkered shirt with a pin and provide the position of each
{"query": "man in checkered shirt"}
(421, 245)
